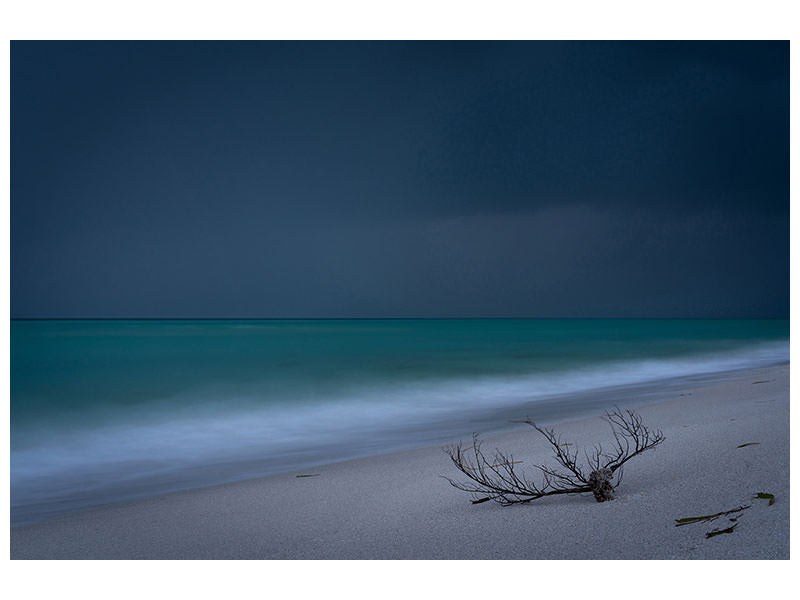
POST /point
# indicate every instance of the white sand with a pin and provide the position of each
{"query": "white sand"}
(398, 507)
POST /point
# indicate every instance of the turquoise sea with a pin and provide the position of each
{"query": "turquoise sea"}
(110, 410)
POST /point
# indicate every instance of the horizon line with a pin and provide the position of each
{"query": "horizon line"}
(389, 318)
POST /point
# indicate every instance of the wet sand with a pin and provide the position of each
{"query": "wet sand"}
(397, 506)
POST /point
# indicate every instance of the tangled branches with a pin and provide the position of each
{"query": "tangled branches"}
(498, 479)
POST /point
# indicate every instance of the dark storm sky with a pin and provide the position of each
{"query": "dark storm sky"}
(290, 179)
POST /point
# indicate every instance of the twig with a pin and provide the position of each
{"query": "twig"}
(708, 518)
(497, 479)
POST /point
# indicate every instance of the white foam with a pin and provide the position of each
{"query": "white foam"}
(350, 421)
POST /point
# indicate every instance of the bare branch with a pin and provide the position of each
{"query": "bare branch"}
(497, 477)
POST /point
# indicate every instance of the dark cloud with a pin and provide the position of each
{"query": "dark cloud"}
(400, 179)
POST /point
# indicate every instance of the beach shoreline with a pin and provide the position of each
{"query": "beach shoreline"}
(397, 506)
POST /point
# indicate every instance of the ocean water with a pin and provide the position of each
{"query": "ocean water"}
(111, 410)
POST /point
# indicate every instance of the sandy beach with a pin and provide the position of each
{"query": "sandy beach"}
(725, 442)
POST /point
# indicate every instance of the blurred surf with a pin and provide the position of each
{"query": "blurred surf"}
(103, 411)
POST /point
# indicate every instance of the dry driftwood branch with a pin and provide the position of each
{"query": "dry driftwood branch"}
(497, 478)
